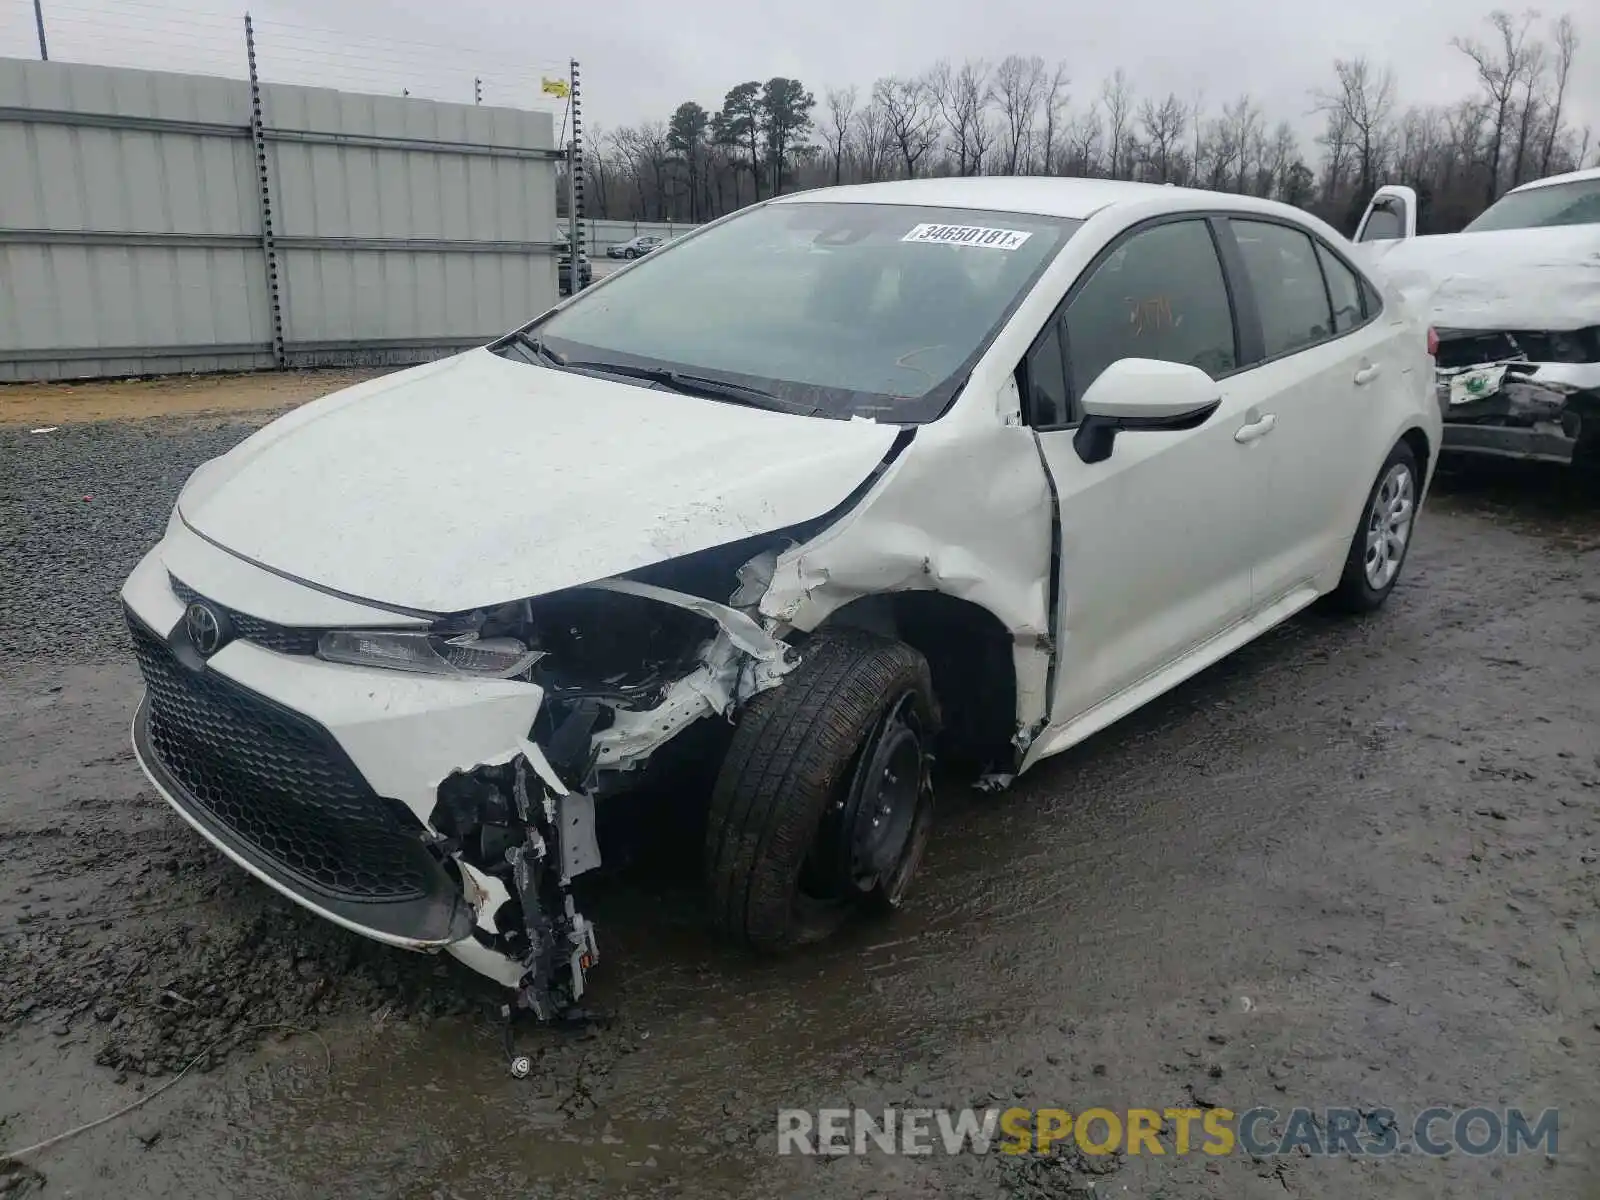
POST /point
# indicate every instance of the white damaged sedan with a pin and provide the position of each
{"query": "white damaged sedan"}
(847, 479)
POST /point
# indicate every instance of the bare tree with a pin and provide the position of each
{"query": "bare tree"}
(910, 118)
(1421, 137)
(1281, 155)
(1055, 105)
(642, 152)
(1019, 86)
(1164, 127)
(1117, 95)
(1566, 47)
(1083, 135)
(872, 141)
(1516, 123)
(961, 98)
(1336, 139)
(1528, 110)
(1364, 98)
(1242, 123)
(836, 129)
(1499, 69)
(983, 135)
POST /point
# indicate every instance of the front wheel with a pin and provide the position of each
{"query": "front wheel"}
(1378, 550)
(630, 254)
(825, 798)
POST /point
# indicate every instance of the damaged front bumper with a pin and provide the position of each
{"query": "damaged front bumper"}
(1515, 408)
(427, 812)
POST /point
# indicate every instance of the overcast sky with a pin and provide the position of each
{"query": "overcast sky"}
(641, 57)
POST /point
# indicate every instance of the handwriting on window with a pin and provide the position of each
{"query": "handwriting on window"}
(1152, 314)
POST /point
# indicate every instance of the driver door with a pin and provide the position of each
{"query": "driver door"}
(1391, 215)
(1158, 541)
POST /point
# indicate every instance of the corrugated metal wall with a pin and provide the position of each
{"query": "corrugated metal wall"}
(131, 232)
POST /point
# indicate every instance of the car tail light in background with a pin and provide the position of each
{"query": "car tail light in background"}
(1433, 342)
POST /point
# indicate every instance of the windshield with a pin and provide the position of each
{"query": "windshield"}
(831, 309)
(1576, 203)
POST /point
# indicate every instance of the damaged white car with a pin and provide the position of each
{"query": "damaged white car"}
(1515, 302)
(847, 479)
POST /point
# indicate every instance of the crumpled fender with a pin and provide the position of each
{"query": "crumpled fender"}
(966, 510)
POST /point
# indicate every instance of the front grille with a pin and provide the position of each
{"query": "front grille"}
(277, 783)
(285, 639)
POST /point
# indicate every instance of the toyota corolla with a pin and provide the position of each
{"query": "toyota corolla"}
(839, 483)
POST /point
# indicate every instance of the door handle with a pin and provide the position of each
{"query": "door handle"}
(1256, 429)
(1368, 373)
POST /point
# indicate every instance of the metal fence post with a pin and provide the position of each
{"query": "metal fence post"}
(575, 185)
(269, 251)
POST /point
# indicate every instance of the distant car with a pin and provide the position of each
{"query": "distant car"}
(1515, 298)
(635, 247)
(585, 273)
(564, 266)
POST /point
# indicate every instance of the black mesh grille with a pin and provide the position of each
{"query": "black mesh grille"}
(285, 639)
(277, 782)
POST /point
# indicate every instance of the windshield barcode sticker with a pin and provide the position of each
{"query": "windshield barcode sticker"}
(968, 235)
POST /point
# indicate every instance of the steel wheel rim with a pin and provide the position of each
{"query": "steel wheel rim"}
(1389, 526)
(889, 807)
(873, 835)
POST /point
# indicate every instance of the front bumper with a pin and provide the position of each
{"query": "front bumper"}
(414, 809)
(1533, 411)
(319, 779)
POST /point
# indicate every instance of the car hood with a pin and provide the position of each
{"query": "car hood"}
(1509, 279)
(477, 480)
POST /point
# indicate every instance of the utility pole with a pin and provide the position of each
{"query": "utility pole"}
(575, 184)
(38, 20)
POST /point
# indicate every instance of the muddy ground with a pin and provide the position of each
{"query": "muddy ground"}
(1355, 864)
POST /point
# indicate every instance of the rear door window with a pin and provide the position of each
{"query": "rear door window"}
(1290, 294)
(1344, 289)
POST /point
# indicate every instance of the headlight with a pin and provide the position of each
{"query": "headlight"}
(464, 654)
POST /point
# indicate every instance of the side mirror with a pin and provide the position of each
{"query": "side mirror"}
(1142, 393)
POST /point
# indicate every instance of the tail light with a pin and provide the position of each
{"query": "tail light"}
(1433, 342)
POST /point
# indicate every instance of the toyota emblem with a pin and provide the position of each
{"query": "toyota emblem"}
(205, 627)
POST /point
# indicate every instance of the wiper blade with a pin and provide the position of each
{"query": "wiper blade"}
(697, 385)
(537, 348)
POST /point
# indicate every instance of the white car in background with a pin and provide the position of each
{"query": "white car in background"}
(847, 479)
(1515, 299)
(635, 247)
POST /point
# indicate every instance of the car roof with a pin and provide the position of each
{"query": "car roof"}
(1569, 177)
(1040, 195)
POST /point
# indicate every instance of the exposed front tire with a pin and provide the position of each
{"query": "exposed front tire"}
(825, 799)
(1383, 538)
(630, 254)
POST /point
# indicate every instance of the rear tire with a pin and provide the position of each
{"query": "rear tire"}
(1383, 538)
(846, 737)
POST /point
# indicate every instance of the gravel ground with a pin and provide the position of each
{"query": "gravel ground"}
(1356, 863)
